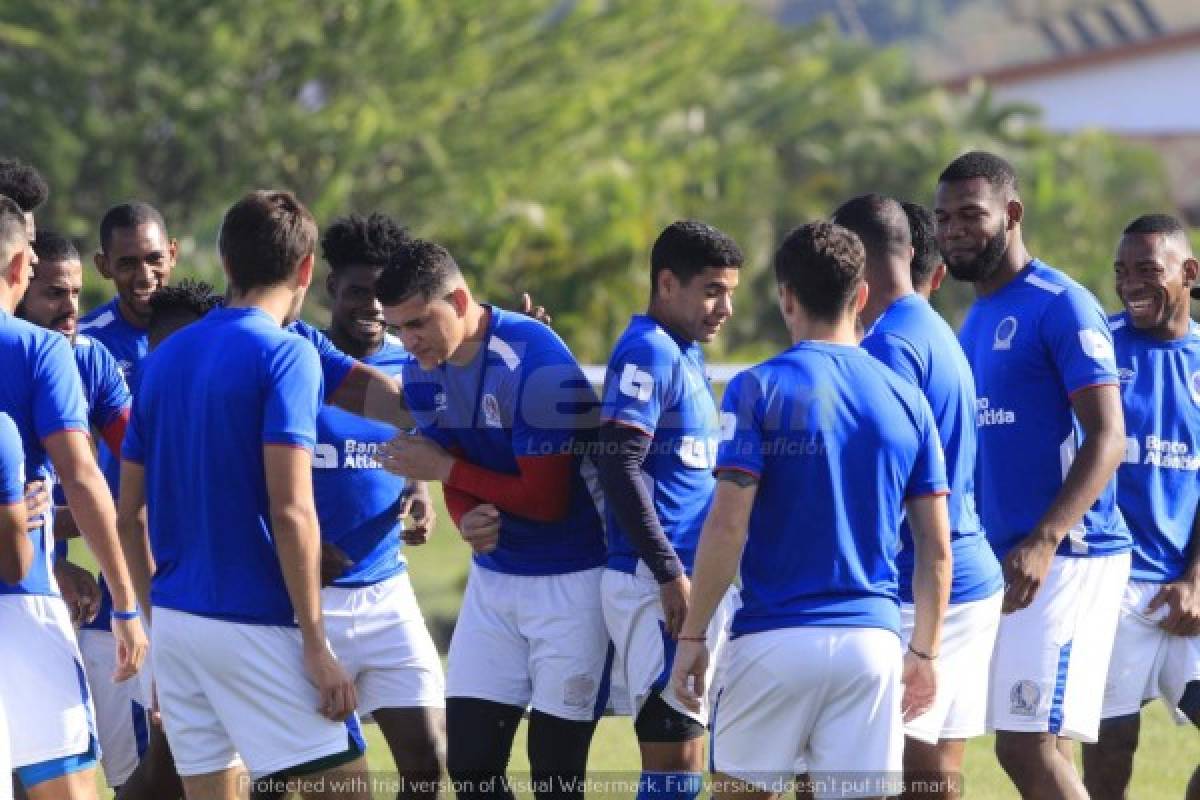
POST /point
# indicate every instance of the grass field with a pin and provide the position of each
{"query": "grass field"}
(1165, 760)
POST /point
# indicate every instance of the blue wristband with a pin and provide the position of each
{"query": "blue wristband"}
(126, 615)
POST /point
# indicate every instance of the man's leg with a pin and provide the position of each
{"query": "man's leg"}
(1108, 764)
(417, 739)
(479, 738)
(933, 770)
(155, 777)
(558, 752)
(672, 749)
(75, 786)
(227, 784)
(1037, 767)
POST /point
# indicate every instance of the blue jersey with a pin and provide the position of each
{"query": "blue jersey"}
(12, 463)
(335, 365)
(1157, 486)
(1031, 345)
(357, 500)
(837, 442)
(42, 393)
(522, 395)
(210, 398)
(656, 383)
(918, 345)
(128, 344)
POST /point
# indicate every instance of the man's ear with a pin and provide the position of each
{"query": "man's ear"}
(939, 275)
(1191, 271)
(331, 284)
(172, 252)
(1016, 212)
(860, 299)
(460, 299)
(304, 271)
(101, 262)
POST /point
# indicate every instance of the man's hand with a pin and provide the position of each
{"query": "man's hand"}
(37, 505)
(131, 647)
(334, 563)
(687, 676)
(338, 696)
(79, 591)
(1025, 568)
(537, 312)
(416, 458)
(920, 686)
(417, 506)
(1182, 599)
(480, 528)
(674, 596)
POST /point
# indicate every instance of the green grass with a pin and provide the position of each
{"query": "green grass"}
(1164, 764)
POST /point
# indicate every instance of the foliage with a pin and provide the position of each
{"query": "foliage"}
(544, 144)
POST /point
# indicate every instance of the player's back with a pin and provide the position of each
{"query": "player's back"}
(838, 442)
(210, 398)
(916, 343)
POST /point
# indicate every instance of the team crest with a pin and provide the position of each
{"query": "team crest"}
(1005, 331)
(1194, 382)
(491, 411)
(1125, 375)
(1024, 698)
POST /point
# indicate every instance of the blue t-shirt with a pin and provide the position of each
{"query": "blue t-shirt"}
(918, 345)
(42, 393)
(1031, 345)
(357, 500)
(126, 343)
(656, 383)
(12, 463)
(522, 395)
(1157, 486)
(210, 398)
(837, 442)
(335, 365)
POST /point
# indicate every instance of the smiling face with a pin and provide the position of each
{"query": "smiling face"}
(357, 314)
(52, 300)
(972, 220)
(1154, 273)
(138, 261)
(698, 307)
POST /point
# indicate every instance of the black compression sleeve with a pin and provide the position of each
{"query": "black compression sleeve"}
(622, 451)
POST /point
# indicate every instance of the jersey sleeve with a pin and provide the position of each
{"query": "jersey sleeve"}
(12, 463)
(335, 365)
(928, 474)
(58, 399)
(898, 355)
(421, 397)
(112, 393)
(1079, 341)
(293, 396)
(133, 446)
(555, 401)
(636, 386)
(741, 445)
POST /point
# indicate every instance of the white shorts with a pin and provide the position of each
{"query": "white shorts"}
(1147, 662)
(1051, 658)
(644, 652)
(828, 698)
(42, 683)
(532, 641)
(6, 784)
(380, 637)
(226, 689)
(964, 659)
(121, 724)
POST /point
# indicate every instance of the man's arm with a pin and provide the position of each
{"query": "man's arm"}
(1098, 409)
(298, 544)
(16, 551)
(134, 531)
(932, 574)
(1182, 596)
(87, 494)
(371, 393)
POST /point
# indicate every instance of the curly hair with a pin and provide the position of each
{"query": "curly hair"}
(23, 183)
(356, 240)
(822, 264)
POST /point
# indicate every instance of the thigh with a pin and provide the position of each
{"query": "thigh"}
(967, 666)
(1136, 652)
(489, 657)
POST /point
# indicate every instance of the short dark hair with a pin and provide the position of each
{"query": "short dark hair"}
(1156, 223)
(53, 246)
(981, 164)
(12, 227)
(686, 247)
(422, 267)
(878, 221)
(188, 297)
(822, 264)
(356, 240)
(128, 215)
(926, 255)
(263, 237)
(23, 184)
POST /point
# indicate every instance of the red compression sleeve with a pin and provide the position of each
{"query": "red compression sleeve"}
(114, 432)
(540, 492)
(458, 502)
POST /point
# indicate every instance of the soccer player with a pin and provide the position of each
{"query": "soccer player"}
(52, 302)
(371, 614)
(907, 335)
(16, 552)
(658, 448)
(41, 685)
(823, 449)
(503, 410)
(241, 664)
(1050, 439)
(928, 267)
(1157, 647)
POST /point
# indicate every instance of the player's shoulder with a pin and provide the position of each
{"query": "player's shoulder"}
(391, 355)
(8, 429)
(99, 317)
(1054, 288)
(645, 340)
(517, 340)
